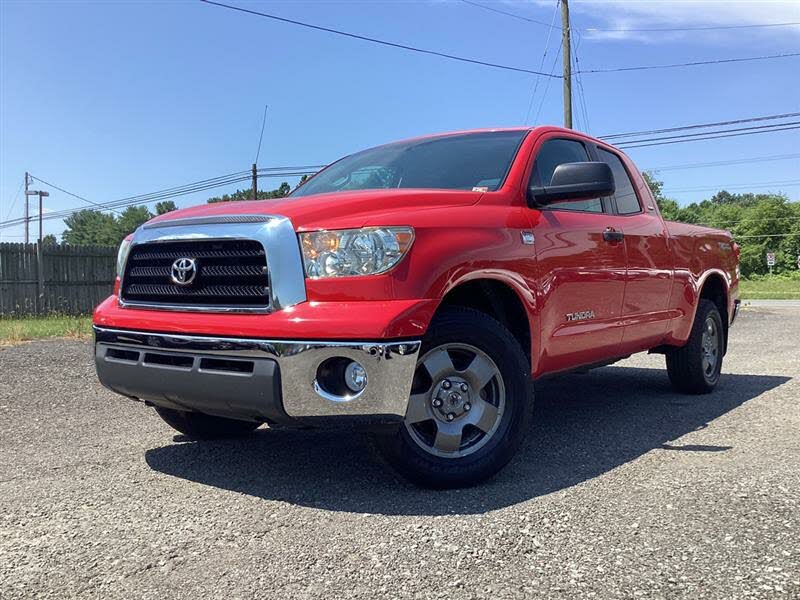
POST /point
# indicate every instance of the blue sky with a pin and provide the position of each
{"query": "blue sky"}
(110, 99)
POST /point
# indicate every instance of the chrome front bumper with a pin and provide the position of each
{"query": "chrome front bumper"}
(255, 379)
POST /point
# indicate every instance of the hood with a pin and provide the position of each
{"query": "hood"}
(334, 211)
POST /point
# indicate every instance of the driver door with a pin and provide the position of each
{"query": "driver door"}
(581, 270)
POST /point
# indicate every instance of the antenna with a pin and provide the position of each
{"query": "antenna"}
(258, 153)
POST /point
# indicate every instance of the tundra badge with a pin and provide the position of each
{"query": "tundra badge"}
(580, 316)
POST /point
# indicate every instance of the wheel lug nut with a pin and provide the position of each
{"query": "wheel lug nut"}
(450, 416)
(464, 387)
(467, 406)
(446, 384)
(437, 403)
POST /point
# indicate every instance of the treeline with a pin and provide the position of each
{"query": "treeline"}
(760, 223)
(94, 228)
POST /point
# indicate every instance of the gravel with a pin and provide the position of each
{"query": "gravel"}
(624, 490)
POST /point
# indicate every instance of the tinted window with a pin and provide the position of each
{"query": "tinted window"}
(625, 194)
(454, 162)
(558, 152)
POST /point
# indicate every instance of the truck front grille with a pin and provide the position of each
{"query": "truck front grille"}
(222, 273)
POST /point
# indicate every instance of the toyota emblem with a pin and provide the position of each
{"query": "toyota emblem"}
(184, 271)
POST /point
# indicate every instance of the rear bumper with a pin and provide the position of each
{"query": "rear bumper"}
(253, 379)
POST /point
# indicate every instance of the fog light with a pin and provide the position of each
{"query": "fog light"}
(355, 376)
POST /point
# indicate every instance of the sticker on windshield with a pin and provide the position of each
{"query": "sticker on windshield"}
(480, 188)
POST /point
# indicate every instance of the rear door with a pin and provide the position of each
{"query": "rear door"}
(581, 268)
(649, 275)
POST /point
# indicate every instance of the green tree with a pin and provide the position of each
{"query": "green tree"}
(49, 240)
(761, 229)
(164, 207)
(130, 219)
(91, 227)
(281, 191)
(668, 207)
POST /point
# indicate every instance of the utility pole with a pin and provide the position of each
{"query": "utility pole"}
(255, 183)
(567, 64)
(26, 207)
(28, 194)
(41, 195)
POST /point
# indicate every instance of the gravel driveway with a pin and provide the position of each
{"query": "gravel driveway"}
(624, 490)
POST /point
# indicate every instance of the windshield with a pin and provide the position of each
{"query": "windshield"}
(471, 161)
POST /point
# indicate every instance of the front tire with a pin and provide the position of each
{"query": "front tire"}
(470, 404)
(695, 368)
(200, 426)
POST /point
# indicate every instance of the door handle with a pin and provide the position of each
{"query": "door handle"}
(612, 235)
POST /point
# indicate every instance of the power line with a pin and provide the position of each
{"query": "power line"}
(313, 168)
(547, 83)
(579, 81)
(686, 64)
(700, 126)
(134, 200)
(691, 135)
(737, 186)
(541, 64)
(68, 193)
(648, 30)
(149, 198)
(723, 163)
(376, 40)
(510, 14)
(14, 201)
(709, 137)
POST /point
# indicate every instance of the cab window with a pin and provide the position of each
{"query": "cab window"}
(556, 152)
(625, 194)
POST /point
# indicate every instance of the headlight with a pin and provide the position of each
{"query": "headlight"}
(348, 252)
(122, 254)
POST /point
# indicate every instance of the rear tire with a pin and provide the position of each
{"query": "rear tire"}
(200, 426)
(695, 368)
(470, 405)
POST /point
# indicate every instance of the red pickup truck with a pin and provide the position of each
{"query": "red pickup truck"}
(419, 289)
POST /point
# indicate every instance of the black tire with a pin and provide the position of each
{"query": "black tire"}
(200, 426)
(451, 328)
(686, 368)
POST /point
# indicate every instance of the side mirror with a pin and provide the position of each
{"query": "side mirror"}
(573, 182)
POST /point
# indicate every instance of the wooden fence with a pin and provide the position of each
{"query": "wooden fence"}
(49, 279)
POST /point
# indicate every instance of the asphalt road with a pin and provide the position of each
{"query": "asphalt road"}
(624, 490)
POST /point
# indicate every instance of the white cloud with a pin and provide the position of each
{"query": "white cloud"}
(629, 15)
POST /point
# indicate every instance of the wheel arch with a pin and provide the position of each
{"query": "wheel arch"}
(714, 287)
(501, 300)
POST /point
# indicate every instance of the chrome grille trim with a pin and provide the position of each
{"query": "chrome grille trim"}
(275, 234)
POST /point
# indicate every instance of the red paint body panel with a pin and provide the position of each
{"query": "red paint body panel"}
(371, 320)
(643, 292)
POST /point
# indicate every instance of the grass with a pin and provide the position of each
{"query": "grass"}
(769, 289)
(15, 330)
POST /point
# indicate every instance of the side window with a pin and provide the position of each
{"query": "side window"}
(627, 202)
(557, 152)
